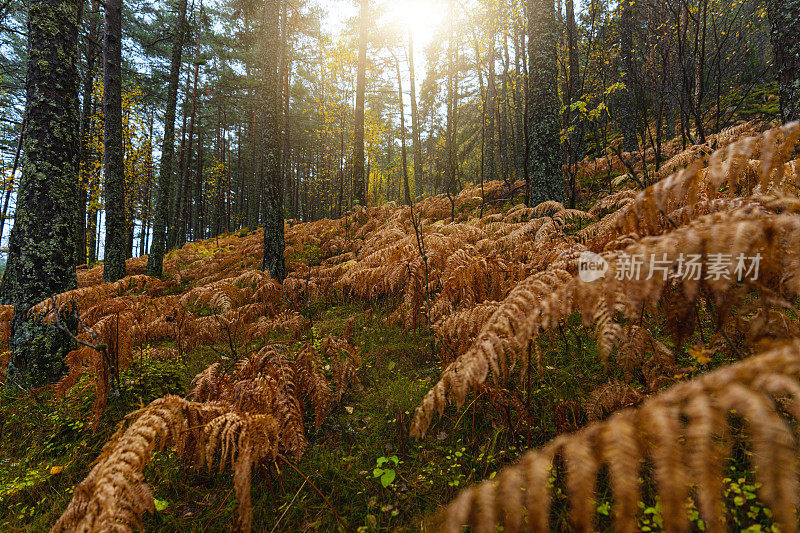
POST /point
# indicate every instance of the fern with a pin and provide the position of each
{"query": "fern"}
(677, 432)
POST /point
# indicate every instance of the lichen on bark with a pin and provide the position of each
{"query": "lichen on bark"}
(544, 166)
(42, 243)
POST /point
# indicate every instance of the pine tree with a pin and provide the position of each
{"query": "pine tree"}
(544, 168)
(272, 205)
(155, 260)
(116, 231)
(42, 246)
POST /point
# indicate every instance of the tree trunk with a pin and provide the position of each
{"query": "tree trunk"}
(274, 243)
(415, 133)
(184, 222)
(520, 148)
(626, 108)
(544, 168)
(92, 52)
(14, 165)
(41, 259)
(784, 15)
(403, 153)
(575, 144)
(114, 165)
(491, 107)
(451, 129)
(359, 183)
(155, 261)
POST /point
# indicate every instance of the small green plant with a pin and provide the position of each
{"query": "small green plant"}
(386, 469)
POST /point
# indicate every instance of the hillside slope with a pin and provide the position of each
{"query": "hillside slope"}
(313, 389)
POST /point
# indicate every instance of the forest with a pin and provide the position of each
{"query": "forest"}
(399, 265)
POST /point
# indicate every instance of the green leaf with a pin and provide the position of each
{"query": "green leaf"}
(387, 477)
(378, 472)
(160, 504)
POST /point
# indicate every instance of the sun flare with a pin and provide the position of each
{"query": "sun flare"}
(422, 18)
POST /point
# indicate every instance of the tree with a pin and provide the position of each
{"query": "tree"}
(626, 109)
(451, 129)
(544, 180)
(359, 179)
(92, 54)
(415, 134)
(274, 243)
(42, 246)
(116, 231)
(403, 153)
(784, 15)
(574, 143)
(155, 260)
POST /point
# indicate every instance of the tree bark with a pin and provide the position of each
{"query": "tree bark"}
(155, 260)
(544, 168)
(274, 243)
(42, 245)
(114, 166)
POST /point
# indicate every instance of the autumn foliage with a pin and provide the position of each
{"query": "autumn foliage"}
(493, 282)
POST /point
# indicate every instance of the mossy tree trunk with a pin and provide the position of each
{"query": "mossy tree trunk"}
(116, 243)
(155, 260)
(42, 246)
(785, 18)
(544, 156)
(272, 204)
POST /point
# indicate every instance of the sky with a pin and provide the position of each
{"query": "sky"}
(423, 17)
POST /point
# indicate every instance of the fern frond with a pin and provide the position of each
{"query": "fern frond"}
(676, 430)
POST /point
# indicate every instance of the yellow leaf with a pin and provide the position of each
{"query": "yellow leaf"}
(700, 354)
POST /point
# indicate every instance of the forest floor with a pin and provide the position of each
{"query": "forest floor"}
(47, 446)
(361, 471)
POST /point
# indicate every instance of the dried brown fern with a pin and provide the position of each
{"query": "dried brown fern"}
(239, 418)
(677, 432)
(525, 314)
(750, 231)
(114, 495)
(497, 348)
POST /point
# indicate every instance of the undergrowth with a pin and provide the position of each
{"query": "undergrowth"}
(437, 367)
